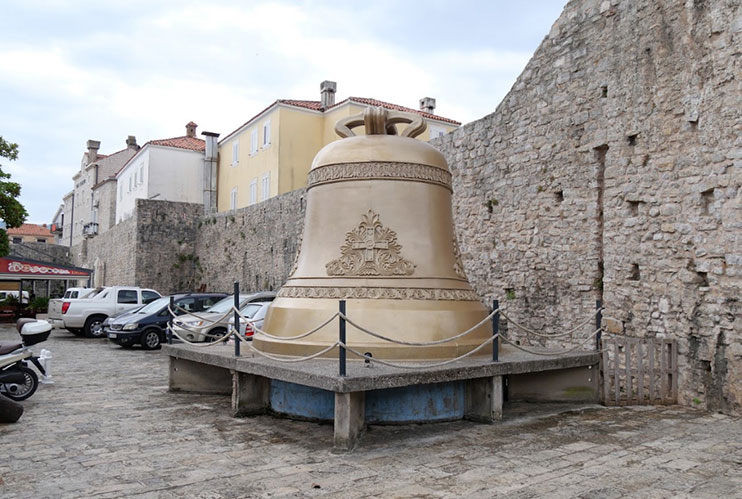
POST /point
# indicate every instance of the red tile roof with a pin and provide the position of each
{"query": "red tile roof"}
(316, 105)
(30, 230)
(190, 143)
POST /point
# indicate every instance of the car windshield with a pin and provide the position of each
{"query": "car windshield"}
(155, 306)
(222, 306)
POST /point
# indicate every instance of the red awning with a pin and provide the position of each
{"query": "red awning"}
(18, 268)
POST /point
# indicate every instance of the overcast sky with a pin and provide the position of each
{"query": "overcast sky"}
(104, 69)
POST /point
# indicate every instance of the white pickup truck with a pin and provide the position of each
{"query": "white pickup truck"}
(84, 316)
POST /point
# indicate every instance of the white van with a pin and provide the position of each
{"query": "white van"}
(4, 295)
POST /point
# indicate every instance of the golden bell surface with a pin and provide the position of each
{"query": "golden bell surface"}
(379, 234)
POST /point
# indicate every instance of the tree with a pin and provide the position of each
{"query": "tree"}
(12, 211)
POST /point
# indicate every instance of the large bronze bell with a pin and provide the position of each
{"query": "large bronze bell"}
(379, 233)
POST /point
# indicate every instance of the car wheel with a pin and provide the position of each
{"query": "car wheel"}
(215, 334)
(93, 327)
(151, 339)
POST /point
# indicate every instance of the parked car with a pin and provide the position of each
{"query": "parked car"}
(4, 295)
(148, 325)
(85, 315)
(255, 311)
(194, 328)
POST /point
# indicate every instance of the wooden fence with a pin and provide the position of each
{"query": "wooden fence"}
(639, 371)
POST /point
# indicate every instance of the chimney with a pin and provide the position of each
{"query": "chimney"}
(93, 146)
(327, 91)
(191, 129)
(210, 174)
(427, 105)
(131, 142)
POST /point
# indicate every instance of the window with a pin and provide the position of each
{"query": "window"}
(129, 183)
(208, 302)
(127, 296)
(233, 199)
(17, 240)
(254, 141)
(136, 178)
(436, 131)
(141, 174)
(149, 296)
(235, 152)
(41, 240)
(266, 185)
(253, 191)
(121, 191)
(266, 134)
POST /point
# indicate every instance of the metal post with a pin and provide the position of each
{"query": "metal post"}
(20, 298)
(172, 319)
(237, 318)
(598, 324)
(496, 331)
(341, 353)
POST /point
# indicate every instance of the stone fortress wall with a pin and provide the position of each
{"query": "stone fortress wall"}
(612, 170)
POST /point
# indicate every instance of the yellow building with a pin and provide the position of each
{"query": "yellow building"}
(271, 154)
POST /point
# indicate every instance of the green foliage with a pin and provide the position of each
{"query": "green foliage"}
(510, 294)
(40, 304)
(11, 210)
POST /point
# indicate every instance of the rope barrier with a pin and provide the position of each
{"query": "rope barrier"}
(201, 344)
(558, 335)
(422, 366)
(284, 359)
(534, 352)
(257, 330)
(416, 343)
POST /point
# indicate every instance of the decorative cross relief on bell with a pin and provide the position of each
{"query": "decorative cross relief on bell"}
(379, 233)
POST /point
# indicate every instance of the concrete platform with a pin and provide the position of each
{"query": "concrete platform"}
(517, 376)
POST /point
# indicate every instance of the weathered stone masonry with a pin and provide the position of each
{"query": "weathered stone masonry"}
(613, 170)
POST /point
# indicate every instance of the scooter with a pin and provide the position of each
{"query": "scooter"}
(17, 380)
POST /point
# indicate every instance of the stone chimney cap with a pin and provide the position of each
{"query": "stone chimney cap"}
(327, 91)
(93, 144)
(191, 129)
(131, 142)
(427, 104)
(210, 134)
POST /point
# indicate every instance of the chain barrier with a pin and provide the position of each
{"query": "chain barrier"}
(550, 354)
(420, 366)
(558, 335)
(207, 323)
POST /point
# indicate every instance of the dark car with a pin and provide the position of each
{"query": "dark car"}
(148, 325)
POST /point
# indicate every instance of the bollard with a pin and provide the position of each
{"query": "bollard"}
(341, 332)
(598, 324)
(172, 319)
(237, 318)
(496, 331)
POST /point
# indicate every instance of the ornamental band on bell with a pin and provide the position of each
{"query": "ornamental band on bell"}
(370, 250)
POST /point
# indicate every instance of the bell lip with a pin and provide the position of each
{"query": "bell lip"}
(379, 148)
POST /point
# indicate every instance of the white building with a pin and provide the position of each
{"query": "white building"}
(80, 215)
(167, 169)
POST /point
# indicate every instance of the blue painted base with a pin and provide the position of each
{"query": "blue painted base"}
(409, 404)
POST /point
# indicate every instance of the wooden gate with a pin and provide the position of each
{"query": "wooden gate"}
(639, 371)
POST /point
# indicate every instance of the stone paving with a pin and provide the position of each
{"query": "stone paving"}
(109, 428)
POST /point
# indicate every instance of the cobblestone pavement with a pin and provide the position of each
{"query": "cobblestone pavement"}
(109, 428)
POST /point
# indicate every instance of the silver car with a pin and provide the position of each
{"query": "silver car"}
(212, 323)
(255, 311)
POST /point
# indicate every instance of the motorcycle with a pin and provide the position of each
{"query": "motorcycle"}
(17, 380)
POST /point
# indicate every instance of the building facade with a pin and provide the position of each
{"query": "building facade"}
(272, 153)
(167, 169)
(31, 233)
(80, 216)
